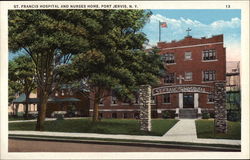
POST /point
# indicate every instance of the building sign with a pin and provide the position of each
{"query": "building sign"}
(181, 89)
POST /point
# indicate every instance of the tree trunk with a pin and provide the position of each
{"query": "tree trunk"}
(26, 106)
(17, 106)
(95, 117)
(42, 112)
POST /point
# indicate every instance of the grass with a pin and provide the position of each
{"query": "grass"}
(19, 118)
(105, 126)
(205, 129)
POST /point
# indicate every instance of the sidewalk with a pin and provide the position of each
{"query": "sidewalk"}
(183, 131)
(47, 119)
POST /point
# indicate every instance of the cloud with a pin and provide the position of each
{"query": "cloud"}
(176, 30)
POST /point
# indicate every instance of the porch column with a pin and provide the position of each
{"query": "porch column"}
(196, 100)
(180, 100)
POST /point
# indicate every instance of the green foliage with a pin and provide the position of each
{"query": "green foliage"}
(168, 114)
(205, 129)
(106, 126)
(51, 38)
(117, 61)
(205, 115)
(21, 76)
(233, 115)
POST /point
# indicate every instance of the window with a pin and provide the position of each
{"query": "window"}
(169, 78)
(114, 115)
(188, 76)
(208, 75)
(136, 115)
(210, 98)
(126, 100)
(188, 55)
(166, 98)
(101, 101)
(153, 99)
(125, 115)
(169, 58)
(137, 100)
(100, 115)
(113, 99)
(209, 54)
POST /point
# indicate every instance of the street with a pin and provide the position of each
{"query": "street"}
(17, 145)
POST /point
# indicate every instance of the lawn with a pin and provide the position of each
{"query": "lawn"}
(19, 118)
(205, 129)
(105, 126)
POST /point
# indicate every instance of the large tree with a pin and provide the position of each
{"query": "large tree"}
(21, 77)
(117, 61)
(50, 38)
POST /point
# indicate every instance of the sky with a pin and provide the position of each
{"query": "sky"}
(203, 23)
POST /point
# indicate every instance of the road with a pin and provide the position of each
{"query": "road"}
(18, 145)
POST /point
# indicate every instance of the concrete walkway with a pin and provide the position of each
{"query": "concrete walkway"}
(183, 131)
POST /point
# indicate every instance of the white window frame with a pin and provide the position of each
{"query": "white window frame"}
(208, 76)
(168, 57)
(186, 76)
(207, 53)
(101, 102)
(186, 54)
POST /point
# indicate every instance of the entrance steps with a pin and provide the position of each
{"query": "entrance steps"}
(189, 113)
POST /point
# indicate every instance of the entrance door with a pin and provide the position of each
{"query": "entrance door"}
(188, 100)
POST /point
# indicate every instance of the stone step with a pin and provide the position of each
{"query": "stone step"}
(188, 113)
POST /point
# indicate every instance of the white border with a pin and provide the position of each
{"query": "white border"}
(243, 5)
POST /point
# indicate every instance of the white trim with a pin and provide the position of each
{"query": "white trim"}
(213, 60)
(113, 110)
(121, 110)
(210, 102)
(187, 59)
(207, 81)
(190, 46)
(170, 63)
(125, 104)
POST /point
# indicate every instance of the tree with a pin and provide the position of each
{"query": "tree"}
(50, 38)
(21, 77)
(116, 60)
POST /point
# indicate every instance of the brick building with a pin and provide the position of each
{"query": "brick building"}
(192, 66)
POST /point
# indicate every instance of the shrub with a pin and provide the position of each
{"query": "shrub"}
(168, 114)
(59, 116)
(233, 116)
(205, 115)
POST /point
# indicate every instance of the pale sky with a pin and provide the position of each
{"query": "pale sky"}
(204, 23)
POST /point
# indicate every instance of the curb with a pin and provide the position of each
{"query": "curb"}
(144, 144)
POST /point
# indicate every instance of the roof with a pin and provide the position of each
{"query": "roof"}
(22, 99)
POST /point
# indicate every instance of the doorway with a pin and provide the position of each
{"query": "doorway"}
(188, 100)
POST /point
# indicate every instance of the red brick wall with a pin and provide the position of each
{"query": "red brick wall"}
(196, 66)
